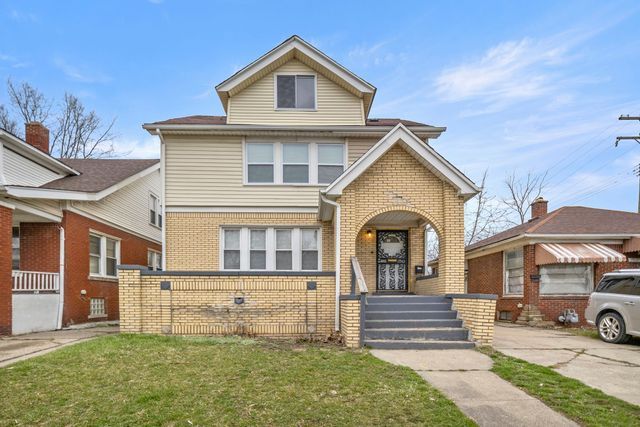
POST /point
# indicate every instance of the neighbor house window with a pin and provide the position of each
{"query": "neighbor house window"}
(293, 163)
(154, 260)
(296, 92)
(97, 307)
(514, 272)
(104, 255)
(566, 279)
(155, 210)
(260, 165)
(15, 248)
(330, 162)
(271, 249)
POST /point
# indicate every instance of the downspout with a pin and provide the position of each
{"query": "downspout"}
(336, 224)
(61, 278)
(162, 200)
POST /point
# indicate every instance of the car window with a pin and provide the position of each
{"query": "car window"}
(619, 285)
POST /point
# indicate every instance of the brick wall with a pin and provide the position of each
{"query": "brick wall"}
(350, 322)
(275, 306)
(431, 285)
(6, 217)
(478, 316)
(133, 250)
(193, 237)
(40, 246)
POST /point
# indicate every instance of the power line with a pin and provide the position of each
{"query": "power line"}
(636, 139)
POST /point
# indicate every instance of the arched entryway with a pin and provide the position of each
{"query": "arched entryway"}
(391, 249)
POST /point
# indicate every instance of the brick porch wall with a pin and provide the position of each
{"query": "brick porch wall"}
(40, 246)
(133, 250)
(6, 218)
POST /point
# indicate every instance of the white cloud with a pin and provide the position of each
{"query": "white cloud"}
(147, 148)
(375, 55)
(80, 74)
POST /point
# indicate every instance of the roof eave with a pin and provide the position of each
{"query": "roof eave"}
(41, 156)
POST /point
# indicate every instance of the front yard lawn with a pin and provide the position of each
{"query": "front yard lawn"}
(154, 380)
(585, 405)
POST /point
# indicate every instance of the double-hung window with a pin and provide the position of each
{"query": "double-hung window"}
(104, 255)
(155, 210)
(293, 163)
(295, 92)
(271, 249)
(260, 164)
(514, 272)
(330, 162)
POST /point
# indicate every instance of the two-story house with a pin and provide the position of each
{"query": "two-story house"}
(65, 224)
(283, 215)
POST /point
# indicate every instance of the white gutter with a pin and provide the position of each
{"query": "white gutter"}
(61, 279)
(336, 224)
(163, 208)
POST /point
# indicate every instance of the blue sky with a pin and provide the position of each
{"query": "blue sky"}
(521, 86)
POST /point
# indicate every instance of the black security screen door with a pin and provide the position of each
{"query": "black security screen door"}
(392, 260)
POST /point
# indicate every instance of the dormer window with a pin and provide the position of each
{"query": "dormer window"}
(295, 92)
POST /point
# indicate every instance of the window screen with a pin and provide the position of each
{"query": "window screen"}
(566, 279)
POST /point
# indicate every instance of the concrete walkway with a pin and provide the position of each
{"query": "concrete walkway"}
(614, 369)
(464, 377)
(21, 347)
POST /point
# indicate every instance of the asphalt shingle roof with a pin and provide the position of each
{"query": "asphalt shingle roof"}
(222, 120)
(98, 174)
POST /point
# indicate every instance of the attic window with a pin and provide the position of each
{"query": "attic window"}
(296, 92)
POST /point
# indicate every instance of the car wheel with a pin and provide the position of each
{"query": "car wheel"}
(611, 328)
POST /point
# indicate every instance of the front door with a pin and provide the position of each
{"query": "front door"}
(392, 260)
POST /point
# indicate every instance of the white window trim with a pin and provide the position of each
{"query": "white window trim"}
(103, 254)
(156, 254)
(158, 210)
(296, 247)
(278, 162)
(307, 164)
(505, 274)
(293, 73)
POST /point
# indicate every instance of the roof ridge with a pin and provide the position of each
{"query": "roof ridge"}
(545, 220)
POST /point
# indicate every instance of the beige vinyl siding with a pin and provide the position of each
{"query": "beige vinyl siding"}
(255, 104)
(209, 172)
(46, 205)
(128, 207)
(19, 170)
(359, 146)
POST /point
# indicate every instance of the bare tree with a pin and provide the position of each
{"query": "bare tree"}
(29, 102)
(484, 215)
(6, 122)
(522, 192)
(81, 134)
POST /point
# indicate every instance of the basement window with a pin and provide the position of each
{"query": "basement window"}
(504, 315)
(297, 92)
(97, 307)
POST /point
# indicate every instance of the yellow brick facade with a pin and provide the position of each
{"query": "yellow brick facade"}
(192, 238)
(478, 316)
(276, 306)
(350, 322)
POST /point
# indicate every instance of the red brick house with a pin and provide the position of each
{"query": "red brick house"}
(553, 261)
(65, 224)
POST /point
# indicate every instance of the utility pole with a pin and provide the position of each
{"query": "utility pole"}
(636, 170)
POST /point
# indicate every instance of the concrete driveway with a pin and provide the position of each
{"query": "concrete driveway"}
(614, 369)
(21, 347)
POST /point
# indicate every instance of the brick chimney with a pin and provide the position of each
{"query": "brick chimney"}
(538, 207)
(37, 135)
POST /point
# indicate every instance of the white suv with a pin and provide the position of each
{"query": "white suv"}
(615, 306)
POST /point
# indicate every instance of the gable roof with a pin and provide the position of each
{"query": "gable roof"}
(418, 149)
(571, 220)
(97, 179)
(296, 48)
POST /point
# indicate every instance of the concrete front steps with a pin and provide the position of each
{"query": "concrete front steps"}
(413, 322)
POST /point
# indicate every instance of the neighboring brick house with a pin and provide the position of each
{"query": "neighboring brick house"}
(552, 262)
(283, 214)
(65, 224)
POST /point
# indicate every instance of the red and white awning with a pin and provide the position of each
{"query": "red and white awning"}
(573, 253)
